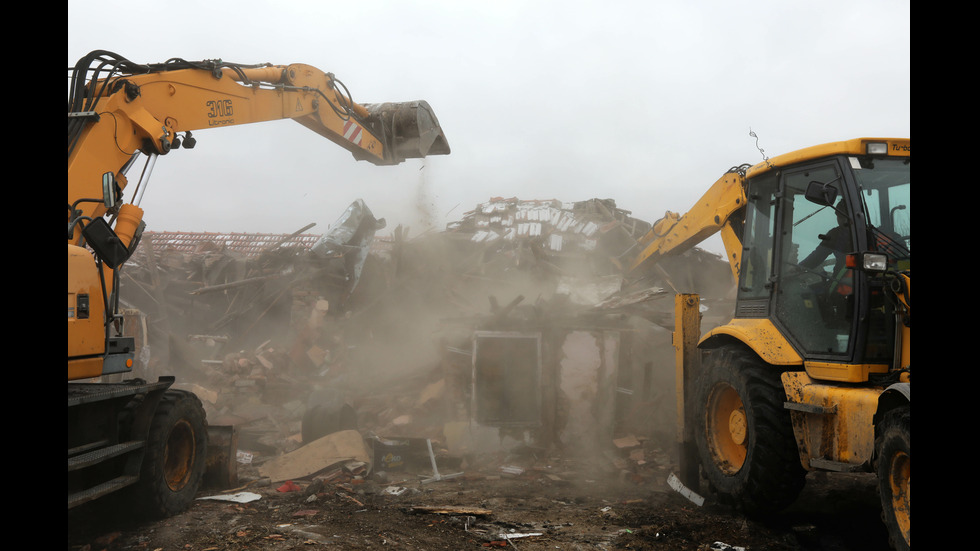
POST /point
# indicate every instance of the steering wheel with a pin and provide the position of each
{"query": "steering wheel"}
(807, 276)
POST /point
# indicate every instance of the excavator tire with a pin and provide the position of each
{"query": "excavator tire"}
(176, 451)
(893, 449)
(744, 436)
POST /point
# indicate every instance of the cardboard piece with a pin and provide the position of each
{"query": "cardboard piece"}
(316, 456)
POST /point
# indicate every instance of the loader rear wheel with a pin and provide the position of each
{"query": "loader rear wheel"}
(744, 436)
(176, 451)
(893, 448)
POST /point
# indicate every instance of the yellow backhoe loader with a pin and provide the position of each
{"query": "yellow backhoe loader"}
(813, 373)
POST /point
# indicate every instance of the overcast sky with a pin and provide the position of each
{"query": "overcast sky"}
(647, 103)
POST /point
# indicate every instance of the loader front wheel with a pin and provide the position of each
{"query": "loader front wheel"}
(176, 451)
(744, 436)
(893, 448)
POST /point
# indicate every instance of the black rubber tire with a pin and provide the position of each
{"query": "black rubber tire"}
(176, 454)
(743, 434)
(893, 449)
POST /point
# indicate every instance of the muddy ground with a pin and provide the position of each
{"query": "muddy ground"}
(574, 505)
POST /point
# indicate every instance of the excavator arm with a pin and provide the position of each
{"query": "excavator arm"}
(127, 108)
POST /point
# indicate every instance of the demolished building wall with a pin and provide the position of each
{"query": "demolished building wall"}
(269, 326)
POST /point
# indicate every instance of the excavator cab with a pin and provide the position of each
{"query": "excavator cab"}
(804, 225)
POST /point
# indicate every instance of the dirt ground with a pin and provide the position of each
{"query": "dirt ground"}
(565, 504)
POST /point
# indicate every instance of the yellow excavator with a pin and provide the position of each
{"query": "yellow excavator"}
(144, 436)
(814, 371)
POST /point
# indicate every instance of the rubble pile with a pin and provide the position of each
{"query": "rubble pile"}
(565, 238)
(487, 331)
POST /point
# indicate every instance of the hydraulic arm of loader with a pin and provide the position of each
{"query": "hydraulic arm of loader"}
(674, 234)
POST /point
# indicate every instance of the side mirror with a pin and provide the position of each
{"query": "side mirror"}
(821, 194)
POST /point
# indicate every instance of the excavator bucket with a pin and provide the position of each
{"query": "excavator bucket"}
(411, 129)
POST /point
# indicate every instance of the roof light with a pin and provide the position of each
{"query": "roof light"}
(877, 148)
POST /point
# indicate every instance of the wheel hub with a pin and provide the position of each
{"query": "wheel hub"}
(736, 426)
(727, 429)
(179, 458)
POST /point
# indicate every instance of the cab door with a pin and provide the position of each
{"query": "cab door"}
(814, 294)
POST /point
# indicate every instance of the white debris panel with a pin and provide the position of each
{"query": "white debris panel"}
(554, 226)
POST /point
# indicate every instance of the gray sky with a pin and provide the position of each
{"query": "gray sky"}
(644, 102)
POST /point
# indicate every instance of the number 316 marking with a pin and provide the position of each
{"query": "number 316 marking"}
(220, 108)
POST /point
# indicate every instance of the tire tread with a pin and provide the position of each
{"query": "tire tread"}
(772, 476)
(156, 499)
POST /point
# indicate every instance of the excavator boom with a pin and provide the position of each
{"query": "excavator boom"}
(125, 108)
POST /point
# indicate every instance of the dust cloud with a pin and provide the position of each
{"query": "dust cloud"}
(485, 338)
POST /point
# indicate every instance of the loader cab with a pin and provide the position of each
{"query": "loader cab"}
(807, 213)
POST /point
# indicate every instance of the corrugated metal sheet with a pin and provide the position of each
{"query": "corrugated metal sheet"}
(247, 244)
